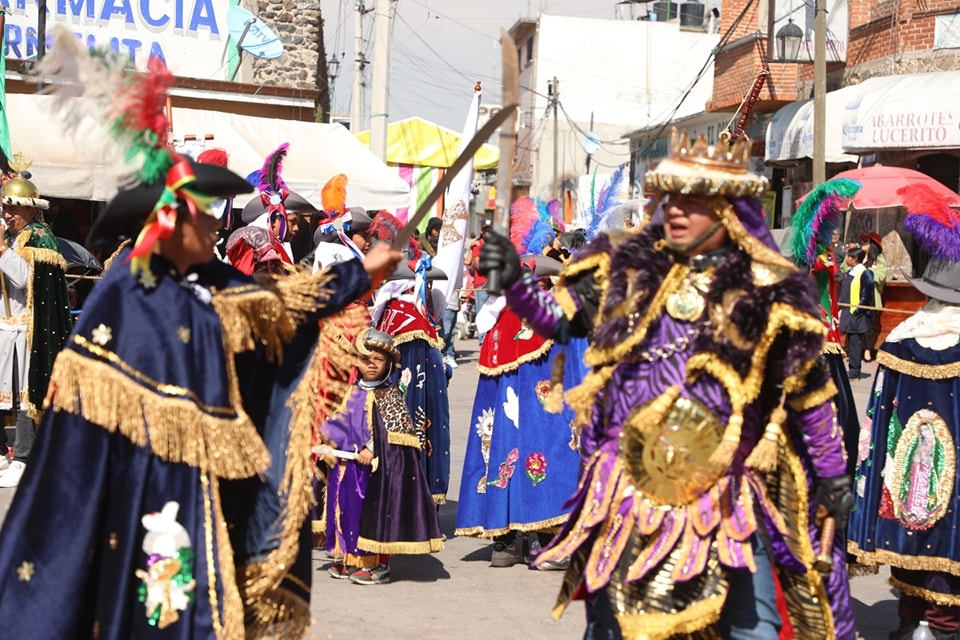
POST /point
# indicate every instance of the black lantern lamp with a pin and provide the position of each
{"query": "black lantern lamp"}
(789, 37)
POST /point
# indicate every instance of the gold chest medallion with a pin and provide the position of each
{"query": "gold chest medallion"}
(687, 302)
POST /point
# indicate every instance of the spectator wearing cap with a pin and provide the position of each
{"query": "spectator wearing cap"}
(872, 245)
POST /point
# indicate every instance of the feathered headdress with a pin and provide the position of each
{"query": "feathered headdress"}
(133, 105)
(607, 202)
(276, 199)
(934, 225)
(333, 196)
(386, 227)
(819, 214)
(528, 230)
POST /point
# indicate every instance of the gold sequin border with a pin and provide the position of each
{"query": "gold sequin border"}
(917, 370)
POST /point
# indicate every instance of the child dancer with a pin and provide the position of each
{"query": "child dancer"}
(378, 500)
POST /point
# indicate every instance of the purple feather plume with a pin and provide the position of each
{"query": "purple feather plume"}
(270, 178)
(934, 225)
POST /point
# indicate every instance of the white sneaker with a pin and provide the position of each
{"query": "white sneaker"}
(451, 361)
(11, 477)
(4, 464)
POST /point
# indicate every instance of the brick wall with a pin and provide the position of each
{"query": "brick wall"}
(297, 23)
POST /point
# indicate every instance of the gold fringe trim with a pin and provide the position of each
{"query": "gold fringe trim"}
(554, 402)
(318, 526)
(301, 293)
(855, 570)
(661, 626)
(917, 370)
(565, 302)
(320, 390)
(439, 498)
(410, 336)
(116, 253)
(402, 548)
(748, 242)
(215, 528)
(814, 398)
(582, 397)
(250, 316)
(894, 559)
(597, 356)
(942, 599)
(833, 348)
(599, 263)
(279, 614)
(176, 429)
(813, 577)
(765, 453)
(536, 354)
(403, 440)
(527, 527)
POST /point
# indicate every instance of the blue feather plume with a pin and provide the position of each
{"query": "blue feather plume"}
(606, 201)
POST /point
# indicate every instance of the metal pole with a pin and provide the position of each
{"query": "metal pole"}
(380, 92)
(356, 100)
(555, 187)
(819, 92)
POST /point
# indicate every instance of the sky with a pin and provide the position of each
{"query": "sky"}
(440, 49)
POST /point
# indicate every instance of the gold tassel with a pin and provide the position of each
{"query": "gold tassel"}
(651, 416)
(764, 455)
(554, 402)
(727, 448)
(583, 396)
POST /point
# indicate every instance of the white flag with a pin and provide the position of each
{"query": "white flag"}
(456, 214)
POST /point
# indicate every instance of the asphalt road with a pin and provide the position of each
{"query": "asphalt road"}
(455, 594)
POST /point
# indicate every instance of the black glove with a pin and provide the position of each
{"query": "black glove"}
(499, 254)
(836, 496)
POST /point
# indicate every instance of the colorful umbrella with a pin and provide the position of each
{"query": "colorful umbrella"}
(880, 185)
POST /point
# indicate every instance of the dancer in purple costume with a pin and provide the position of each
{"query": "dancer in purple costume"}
(708, 435)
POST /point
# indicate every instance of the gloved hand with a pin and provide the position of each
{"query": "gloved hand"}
(836, 496)
(499, 254)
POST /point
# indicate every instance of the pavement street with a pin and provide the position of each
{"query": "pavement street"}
(454, 593)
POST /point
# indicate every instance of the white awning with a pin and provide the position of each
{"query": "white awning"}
(910, 111)
(63, 167)
(790, 132)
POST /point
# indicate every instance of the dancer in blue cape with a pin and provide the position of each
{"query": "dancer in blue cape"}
(171, 483)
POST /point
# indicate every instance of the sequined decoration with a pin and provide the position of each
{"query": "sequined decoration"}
(167, 584)
(924, 468)
(542, 389)
(687, 303)
(147, 279)
(484, 430)
(536, 466)
(25, 571)
(102, 335)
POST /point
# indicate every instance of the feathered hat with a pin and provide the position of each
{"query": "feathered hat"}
(157, 180)
(531, 234)
(18, 191)
(342, 222)
(276, 199)
(816, 218)
(936, 228)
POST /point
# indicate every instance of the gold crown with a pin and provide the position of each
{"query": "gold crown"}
(704, 170)
(734, 157)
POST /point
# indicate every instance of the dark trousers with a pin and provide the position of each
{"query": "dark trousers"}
(855, 351)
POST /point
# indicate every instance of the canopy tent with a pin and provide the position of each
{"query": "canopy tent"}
(421, 143)
(908, 111)
(64, 167)
(790, 132)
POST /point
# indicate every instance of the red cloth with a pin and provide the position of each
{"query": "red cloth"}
(479, 280)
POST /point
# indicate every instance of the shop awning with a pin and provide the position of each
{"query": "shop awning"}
(910, 111)
(790, 132)
(65, 168)
(422, 143)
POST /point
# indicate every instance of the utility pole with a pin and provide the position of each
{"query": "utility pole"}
(356, 100)
(380, 93)
(819, 92)
(554, 91)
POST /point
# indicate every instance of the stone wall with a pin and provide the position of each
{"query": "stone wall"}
(297, 22)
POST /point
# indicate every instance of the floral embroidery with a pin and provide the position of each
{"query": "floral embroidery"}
(101, 335)
(506, 470)
(536, 467)
(404, 384)
(147, 279)
(542, 389)
(167, 585)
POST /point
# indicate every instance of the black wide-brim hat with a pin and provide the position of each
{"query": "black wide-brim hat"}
(940, 280)
(294, 203)
(126, 213)
(404, 272)
(360, 222)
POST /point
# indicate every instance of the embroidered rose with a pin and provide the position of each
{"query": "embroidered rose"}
(542, 389)
(536, 467)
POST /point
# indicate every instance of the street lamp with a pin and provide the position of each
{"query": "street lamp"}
(789, 37)
(333, 68)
